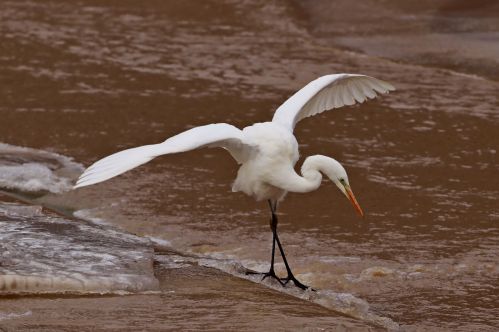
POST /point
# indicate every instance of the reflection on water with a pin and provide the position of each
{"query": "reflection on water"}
(88, 79)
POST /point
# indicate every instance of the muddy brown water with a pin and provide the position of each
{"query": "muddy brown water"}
(88, 78)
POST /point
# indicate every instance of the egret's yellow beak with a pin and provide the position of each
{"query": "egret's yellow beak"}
(351, 197)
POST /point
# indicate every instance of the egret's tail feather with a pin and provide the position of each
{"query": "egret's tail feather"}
(116, 164)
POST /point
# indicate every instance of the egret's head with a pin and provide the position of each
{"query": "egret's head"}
(342, 183)
(335, 172)
(339, 176)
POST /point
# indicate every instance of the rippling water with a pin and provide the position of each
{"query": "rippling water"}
(83, 80)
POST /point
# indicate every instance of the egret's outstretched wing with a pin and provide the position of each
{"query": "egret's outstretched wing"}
(328, 92)
(213, 135)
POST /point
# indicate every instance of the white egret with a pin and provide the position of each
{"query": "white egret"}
(267, 152)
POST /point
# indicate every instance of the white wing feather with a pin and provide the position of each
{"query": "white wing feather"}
(213, 135)
(328, 92)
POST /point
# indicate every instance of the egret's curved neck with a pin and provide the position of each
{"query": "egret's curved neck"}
(311, 177)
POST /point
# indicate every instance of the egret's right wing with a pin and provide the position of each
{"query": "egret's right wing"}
(212, 135)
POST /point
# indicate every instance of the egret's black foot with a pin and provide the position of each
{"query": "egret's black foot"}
(266, 275)
(284, 281)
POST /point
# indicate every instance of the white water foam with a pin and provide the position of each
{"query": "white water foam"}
(31, 170)
(12, 315)
(41, 252)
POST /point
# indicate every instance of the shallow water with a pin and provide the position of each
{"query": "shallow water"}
(87, 79)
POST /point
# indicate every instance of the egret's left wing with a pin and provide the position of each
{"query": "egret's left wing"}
(328, 92)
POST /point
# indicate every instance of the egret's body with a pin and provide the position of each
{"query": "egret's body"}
(277, 153)
(267, 152)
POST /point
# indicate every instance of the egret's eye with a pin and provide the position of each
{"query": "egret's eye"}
(342, 181)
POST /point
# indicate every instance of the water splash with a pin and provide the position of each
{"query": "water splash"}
(31, 170)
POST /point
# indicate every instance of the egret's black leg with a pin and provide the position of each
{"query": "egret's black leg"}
(275, 239)
(273, 227)
(290, 276)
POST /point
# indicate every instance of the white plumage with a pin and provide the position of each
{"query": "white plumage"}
(328, 92)
(213, 135)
